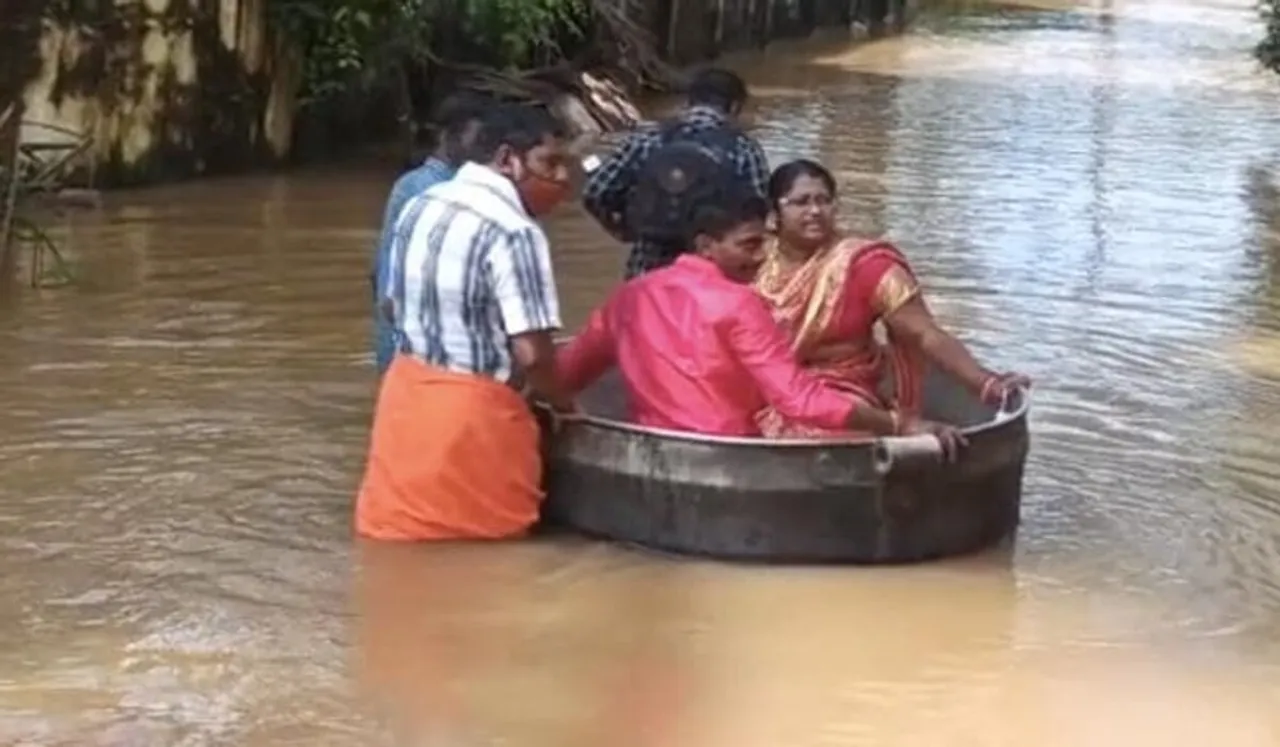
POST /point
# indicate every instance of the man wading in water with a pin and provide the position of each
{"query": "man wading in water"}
(622, 194)
(454, 449)
(457, 119)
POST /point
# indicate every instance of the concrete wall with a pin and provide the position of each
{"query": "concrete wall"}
(19, 59)
(175, 88)
(165, 88)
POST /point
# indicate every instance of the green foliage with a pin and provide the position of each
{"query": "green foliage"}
(357, 44)
(347, 44)
(1268, 50)
(518, 30)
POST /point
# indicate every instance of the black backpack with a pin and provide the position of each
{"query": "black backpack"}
(685, 163)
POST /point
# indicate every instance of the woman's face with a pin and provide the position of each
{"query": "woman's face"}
(807, 212)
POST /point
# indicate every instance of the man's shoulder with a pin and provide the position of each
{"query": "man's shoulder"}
(746, 142)
(740, 293)
(724, 133)
(424, 175)
(640, 286)
(443, 188)
(485, 205)
(733, 299)
(699, 285)
(719, 301)
(647, 129)
(641, 139)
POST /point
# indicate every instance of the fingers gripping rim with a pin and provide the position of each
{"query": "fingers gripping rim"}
(1012, 402)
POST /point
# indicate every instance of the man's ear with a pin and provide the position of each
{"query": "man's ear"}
(701, 243)
(504, 160)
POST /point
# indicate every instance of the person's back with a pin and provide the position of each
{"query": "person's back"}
(440, 294)
(675, 333)
(716, 98)
(457, 119)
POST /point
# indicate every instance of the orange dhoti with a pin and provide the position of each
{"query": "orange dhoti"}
(452, 456)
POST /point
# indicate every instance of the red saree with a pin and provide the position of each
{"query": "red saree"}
(829, 305)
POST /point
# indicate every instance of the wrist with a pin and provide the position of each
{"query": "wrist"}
(989, 382)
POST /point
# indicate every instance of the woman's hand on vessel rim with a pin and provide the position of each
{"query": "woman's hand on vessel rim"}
(1001, 386)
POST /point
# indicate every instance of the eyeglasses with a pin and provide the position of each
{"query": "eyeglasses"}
(804, 201)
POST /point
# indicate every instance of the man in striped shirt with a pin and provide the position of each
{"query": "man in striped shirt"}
(454, 449)
(457, 118)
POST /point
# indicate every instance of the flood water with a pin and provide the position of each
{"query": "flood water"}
(1086, 193)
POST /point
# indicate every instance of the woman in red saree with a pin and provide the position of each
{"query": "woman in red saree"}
(828, 291)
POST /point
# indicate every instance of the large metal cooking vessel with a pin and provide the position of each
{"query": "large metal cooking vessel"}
(874, 501)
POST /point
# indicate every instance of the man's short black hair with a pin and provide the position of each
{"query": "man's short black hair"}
(728, 209)
(718, 88)
(459, 110)
(521, 127)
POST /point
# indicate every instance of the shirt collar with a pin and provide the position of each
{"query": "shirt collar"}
(699, 264)
(483, 176)
(706, 113)
(437, 163)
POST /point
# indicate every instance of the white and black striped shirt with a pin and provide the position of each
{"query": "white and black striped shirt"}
(469, 269)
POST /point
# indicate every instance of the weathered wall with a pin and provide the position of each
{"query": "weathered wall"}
(176, 88)
(19, 59)
(166, 88)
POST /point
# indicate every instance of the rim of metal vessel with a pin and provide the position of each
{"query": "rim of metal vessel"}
(1017, 413)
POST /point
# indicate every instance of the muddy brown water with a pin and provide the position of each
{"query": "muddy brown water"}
(1086, 190)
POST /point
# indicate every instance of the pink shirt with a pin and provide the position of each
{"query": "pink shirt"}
(699, 353)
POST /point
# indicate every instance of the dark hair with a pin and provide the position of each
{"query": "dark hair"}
(718, 88)
(724, 212)
(785, 176)
(459, 110)
(521, 127)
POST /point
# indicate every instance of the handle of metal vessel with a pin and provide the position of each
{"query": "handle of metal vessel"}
(831, 471)
(893, 450)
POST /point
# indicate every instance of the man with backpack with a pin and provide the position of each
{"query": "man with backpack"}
(632, 194)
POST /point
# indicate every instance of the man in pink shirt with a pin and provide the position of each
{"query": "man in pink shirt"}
(699, 351)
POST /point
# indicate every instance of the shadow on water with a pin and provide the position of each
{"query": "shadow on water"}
(1080, 191)
(474, 644)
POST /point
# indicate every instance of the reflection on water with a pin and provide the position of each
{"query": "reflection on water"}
(1089, 195)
